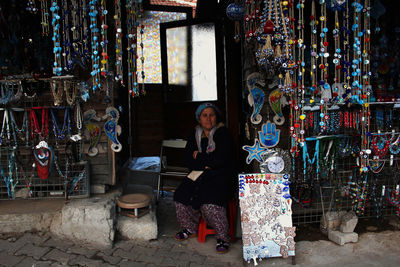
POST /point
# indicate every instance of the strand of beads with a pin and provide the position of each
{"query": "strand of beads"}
(45, 17)
(104, 40)
(55, 22)
(66, 55)
(324, 86)
(314, 54)
(118, 42)
(301, 69)
(142, 89)
(95, 45)
(131, 10)
(366, 72)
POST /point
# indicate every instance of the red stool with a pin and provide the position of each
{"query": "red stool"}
(204, 230)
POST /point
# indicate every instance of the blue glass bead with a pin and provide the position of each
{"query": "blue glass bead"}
(285, 189)
(287, 196)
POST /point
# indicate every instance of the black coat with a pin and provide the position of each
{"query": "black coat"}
(217, 184)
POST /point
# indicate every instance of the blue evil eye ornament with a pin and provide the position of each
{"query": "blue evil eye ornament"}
(235, 11)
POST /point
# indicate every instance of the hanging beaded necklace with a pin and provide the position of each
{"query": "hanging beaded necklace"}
(95, 57)
(5, 134)
(104, 40)
(132, 12)
(55, 22)
(19, 131)
(11, 180)
(42, 131)
(67, 124)
(57, 91)
(45, 17)
(118, 42)
(9, 96)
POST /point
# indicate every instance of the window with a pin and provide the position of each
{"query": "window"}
(151, 44)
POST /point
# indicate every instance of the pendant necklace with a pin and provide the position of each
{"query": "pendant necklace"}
(42, 131)
(19, 131)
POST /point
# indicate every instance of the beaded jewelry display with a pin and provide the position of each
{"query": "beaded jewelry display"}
(45, 17)
(104, 40)
(94, 33)
(118, 42)
(132, 24)
(55, 22)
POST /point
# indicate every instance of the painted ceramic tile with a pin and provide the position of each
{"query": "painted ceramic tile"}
(266, 216)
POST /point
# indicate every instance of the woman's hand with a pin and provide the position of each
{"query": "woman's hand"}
(195, 154)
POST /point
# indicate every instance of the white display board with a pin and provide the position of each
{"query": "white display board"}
(266, 216)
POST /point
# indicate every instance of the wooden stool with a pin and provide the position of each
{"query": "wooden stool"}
(135, 202)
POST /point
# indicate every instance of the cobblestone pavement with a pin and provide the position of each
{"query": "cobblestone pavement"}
(42, 249)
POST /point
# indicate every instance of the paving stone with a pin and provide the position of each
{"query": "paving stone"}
(83, 261)
(192, 257)
(82, 251)
(167, 262)
(150, 259)
(11, 247)
(125, 254)
(168, 253)
(108, 258)
(32, 250)
(30, 262)
(108, 251)
(123, 244)
(9, 260)
(128, 263)
(143, 250)
(34, 238)
(58, 243)
(59, 256)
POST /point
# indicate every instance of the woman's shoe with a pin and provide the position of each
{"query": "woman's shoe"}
(222, 246)
(184, 234)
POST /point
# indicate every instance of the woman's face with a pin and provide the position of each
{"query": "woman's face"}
(208, 119)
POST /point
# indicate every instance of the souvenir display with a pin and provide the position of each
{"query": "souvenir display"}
(92, 131)
(266, 215)
(112, 128)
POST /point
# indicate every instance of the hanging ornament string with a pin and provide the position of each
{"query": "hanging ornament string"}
(95, 57)
(55, 22)
(43, 130)
(66, 55)
(118, 42)
(301, 67)
(142, 89)
(314, 54)
(45, 17)
(132, 23)
(104, 40)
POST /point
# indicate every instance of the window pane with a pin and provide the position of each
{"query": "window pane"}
(151, 44)
(177, 55)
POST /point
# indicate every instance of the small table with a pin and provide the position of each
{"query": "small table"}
(134, 202)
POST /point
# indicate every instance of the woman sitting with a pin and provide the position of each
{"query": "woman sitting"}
(209, 149)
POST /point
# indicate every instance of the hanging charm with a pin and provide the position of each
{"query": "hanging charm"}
(255, 152)
(43, 155)
(112, 128)
(256, 96)
(92, 131)
(269, 136)
(276, 103)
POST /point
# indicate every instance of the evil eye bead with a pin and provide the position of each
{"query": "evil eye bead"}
(286, 196)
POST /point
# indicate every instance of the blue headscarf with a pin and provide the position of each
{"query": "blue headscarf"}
(204, 106)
